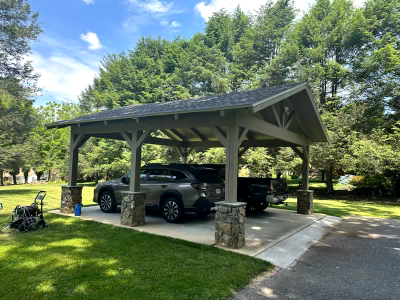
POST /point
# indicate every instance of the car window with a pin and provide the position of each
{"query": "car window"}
(206, 175)
(159, 175)
(176, 175)
(143, 174)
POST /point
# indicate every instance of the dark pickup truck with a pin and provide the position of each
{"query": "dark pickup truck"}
(258, 193)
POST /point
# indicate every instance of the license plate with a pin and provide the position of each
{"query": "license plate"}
(218, 191)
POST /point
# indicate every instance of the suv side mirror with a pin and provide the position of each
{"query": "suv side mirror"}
(125, 180)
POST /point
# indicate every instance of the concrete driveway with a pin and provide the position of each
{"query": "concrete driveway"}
(276, 235)
(359, 259)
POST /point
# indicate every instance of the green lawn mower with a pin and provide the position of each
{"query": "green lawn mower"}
(28, 218)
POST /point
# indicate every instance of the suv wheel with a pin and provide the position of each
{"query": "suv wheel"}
(107, 202)
(172, 210)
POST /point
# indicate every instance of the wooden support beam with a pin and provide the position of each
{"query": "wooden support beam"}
(305, 170)
(160, 123)
(276, 115)
(220, 136)
(243, 135)
(243, 151)
(269, 129)
(126, 137)
(232, 160)
(136, 154)
(298, 119)
(289, 119)
(143, 137)
(75, 140)
(282, 115)
(298, 152)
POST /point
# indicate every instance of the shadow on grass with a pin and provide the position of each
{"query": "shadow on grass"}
(83, 259)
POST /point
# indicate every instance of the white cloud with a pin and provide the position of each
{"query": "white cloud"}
(175, 24)
(65, 68)
(92, 39)
(62, 77)
(89, 1)
(164, 23)
(155, 7)
(206, 8)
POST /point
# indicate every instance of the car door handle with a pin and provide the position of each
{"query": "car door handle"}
(164, 186)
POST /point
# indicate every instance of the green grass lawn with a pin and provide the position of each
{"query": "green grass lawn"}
(342, 204)
(341, 208)
(76, 259)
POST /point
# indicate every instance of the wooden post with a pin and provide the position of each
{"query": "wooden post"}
(136, 157)
(184, 155)
(232, 160)
(305, 168)
(73, 159)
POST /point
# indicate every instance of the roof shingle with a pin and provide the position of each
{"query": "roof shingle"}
(214, 102)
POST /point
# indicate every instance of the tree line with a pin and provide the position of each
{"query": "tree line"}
(349, 56)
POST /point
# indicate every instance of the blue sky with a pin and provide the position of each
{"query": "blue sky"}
(78, 33)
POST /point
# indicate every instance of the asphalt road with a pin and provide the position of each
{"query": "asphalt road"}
(358, 259)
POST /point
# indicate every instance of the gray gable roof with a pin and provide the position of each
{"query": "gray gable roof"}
(207, 103)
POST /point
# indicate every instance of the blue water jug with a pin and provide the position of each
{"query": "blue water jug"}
(78, 209)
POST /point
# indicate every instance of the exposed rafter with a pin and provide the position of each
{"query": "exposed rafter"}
(180, 136)
(198, 134)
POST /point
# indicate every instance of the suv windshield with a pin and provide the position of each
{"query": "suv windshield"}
(206, 175)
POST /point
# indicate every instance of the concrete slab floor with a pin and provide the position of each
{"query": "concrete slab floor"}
(265, 231)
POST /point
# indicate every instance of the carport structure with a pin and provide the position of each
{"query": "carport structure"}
(277, 116)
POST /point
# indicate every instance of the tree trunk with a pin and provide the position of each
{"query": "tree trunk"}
(14, 179)
(323, 175)
(329, 181)
(26, 173)
(1, 177)
(97, 179)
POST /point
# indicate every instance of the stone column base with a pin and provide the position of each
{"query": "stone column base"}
(70, 196)
(133, 208)
(305, 202)
(230, 220)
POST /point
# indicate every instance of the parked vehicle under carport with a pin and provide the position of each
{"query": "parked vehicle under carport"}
(258, 193)
(172, 189)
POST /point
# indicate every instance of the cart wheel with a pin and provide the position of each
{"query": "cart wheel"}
(24, 227)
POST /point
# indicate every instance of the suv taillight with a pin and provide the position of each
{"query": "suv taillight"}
(200, 186)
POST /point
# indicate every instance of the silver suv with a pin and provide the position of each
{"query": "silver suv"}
(172, 189)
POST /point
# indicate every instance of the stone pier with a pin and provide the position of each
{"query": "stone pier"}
(230, 219)
(133, 208)
(305, 202)
(70, 196)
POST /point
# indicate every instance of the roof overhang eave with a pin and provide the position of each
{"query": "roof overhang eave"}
(62, 125)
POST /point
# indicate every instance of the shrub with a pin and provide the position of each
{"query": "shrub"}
(377, 184)
(294, 177)
(357, 181)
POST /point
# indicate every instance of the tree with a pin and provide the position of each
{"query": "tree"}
(255, 52)
(51, 147)
(19, 27)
